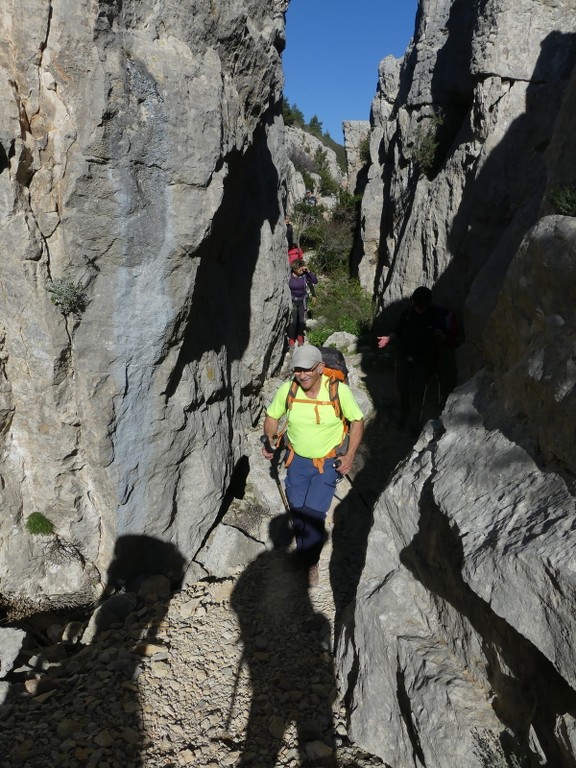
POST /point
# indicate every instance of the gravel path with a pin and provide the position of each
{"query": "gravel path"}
(223, 673)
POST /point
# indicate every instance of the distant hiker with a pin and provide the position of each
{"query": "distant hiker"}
(301, 282)
(324, 421)
(295, 253)
(309, 198)
(289, 231)
(421, 332)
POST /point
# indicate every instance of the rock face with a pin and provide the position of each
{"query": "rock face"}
(141, 169)
(302, 150)
(143, 173)
(373, 197)
(459, 148)
(456, 650)
(356, 135)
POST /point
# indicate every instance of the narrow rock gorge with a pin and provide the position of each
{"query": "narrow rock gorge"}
(144, 177)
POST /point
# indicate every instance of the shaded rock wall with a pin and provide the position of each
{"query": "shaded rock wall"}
(483, 83)
(142, 159)
(456, 650)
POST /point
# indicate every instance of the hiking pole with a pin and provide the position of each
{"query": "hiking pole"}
(336, 464)
(274, 471)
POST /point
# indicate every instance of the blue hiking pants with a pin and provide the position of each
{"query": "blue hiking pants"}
(310, 494)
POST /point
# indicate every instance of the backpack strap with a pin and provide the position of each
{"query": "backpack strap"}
(334, 398)
(334, 401)
(291, 394)
(333, 385)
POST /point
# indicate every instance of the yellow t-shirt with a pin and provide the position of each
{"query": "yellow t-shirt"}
(313, 426)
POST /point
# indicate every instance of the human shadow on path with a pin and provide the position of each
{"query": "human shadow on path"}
(82, 691)
(286, 650)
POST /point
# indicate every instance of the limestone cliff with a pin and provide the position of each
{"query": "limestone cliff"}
(303, 149)
(457, 650)
(142, 170)
(356, 138)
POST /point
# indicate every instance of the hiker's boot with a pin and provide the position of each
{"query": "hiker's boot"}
(300, 340)
(291, 343)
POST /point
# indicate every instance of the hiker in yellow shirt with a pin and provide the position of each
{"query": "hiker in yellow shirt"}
(324, 426)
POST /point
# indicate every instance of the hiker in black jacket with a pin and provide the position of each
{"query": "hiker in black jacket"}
(418, 335)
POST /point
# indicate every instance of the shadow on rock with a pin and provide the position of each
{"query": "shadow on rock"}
(384, 446)
(529, 696)
(74, 698)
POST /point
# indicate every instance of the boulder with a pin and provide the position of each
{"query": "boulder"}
(11, 641)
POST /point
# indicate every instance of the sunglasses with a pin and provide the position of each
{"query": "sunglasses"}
(306, 370)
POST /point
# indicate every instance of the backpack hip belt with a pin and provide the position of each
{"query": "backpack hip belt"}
(339, 450)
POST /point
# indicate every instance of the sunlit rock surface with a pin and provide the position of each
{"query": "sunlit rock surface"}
(141, 159)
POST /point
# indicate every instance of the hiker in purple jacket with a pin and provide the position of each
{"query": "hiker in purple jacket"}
(301, 282)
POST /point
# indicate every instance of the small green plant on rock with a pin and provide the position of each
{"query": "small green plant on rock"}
(328, 185)
(66, 295)
(38, 524)
(563, 200)
(364, 150)
(426, 149)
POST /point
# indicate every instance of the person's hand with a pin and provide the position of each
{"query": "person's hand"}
(343, 464)
(383, 341)
(268, 448)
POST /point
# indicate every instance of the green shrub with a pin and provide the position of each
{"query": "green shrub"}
(38, 524)
(563, 200)
(339, 150)
(425, 152)
(305, 218)
(67, 296)
(315, 127)
(332, 238)
(292, 114)
(364, 150)
(328, 185)
(308, 180)
(344, 306)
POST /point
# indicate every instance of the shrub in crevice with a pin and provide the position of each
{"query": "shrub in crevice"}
(425, 153)
(66, 295)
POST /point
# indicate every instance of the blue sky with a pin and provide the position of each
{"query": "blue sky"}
(333, 48)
